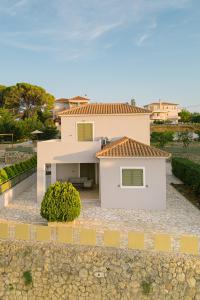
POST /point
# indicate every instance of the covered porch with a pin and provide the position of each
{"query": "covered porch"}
(84, 176)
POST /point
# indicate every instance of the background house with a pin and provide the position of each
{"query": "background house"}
(164, 111)
(66, 103)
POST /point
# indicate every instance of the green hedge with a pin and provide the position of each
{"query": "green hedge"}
(16, 169)
(187, 171)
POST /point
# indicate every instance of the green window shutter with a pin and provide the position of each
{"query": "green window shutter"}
(132, 177)
(85, 132)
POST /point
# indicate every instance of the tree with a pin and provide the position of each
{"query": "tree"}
(30, 124)
(2, 90)
(8, 124)
(185, 116)
(195, 118)
(27, 99)
(186, 138)
(44, 115)
(162, 138)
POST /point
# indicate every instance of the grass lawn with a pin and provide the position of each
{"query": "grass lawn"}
(192, 152)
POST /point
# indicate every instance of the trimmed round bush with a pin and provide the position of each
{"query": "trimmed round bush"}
(61, 203)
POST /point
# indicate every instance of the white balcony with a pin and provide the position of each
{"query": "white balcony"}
(57, 151)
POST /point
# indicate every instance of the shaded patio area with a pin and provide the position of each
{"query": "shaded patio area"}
(180, 215)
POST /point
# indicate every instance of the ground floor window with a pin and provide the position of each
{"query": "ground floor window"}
(132, 177)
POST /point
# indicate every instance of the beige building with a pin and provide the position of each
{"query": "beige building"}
(66, 103)
(164, 111)
(106, 148)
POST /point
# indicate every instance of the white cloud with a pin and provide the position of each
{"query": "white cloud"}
(103, 29)
(12, 7)
(77, 26)
(140, 40)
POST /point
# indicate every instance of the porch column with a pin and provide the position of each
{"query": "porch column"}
(41, 182)
(53, 173)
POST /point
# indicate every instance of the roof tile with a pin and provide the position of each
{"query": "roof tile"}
(104, 109)
(127, 147)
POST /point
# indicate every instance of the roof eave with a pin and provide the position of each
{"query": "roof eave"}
(164, 157)
(82, 115)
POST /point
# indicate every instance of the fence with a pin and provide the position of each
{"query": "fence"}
(15, 180)
(71, 234)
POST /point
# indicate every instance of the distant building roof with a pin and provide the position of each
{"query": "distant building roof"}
(127, 147)
(161, 102)
(74, 99)
(104, 109)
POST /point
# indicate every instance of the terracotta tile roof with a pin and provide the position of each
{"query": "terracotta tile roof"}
(127, 147)
(104, 109)
(79, 98)
(62, 100)
(162, 102)
(74, 99)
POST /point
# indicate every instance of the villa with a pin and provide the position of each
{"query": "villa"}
(164, 111)
(106, 147)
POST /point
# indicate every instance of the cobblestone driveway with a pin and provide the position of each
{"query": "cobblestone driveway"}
(179, 217)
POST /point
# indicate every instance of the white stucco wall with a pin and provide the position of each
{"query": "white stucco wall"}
(151, 197)
(65, 171)
(12, 193)
(57, 152)
(134, 126)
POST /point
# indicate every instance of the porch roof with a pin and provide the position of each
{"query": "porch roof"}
(127, 147)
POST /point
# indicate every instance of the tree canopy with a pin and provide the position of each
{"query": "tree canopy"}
(185, 116)
(2, 89)
(26, 99)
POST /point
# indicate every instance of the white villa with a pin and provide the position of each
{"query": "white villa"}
(164, 111)
(106, 147)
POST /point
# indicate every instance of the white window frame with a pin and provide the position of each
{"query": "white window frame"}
(132, 187)
(85, 122)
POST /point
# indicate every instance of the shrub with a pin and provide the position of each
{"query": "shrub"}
(27, 277)
(3, 175)
(187, 171)
(162, 138)
(61, 202)
(22, 165)
(146, 287)
(13, 170)
(18, 168)
(9, 172)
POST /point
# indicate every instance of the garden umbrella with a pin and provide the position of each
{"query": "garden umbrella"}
(36, 132)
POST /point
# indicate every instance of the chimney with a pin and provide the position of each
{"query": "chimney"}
(133, 102)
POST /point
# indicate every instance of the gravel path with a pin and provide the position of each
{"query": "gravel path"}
(179, 217)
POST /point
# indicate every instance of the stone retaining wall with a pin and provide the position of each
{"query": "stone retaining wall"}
(52, 271)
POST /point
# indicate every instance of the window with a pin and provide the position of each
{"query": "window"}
(85, 132)
(132, 177)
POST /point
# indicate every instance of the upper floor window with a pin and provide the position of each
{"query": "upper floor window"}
(85, 132)
(132, 177)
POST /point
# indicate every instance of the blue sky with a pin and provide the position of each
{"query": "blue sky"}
(111, 50)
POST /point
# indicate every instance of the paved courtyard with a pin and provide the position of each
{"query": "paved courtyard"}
(179, 217)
